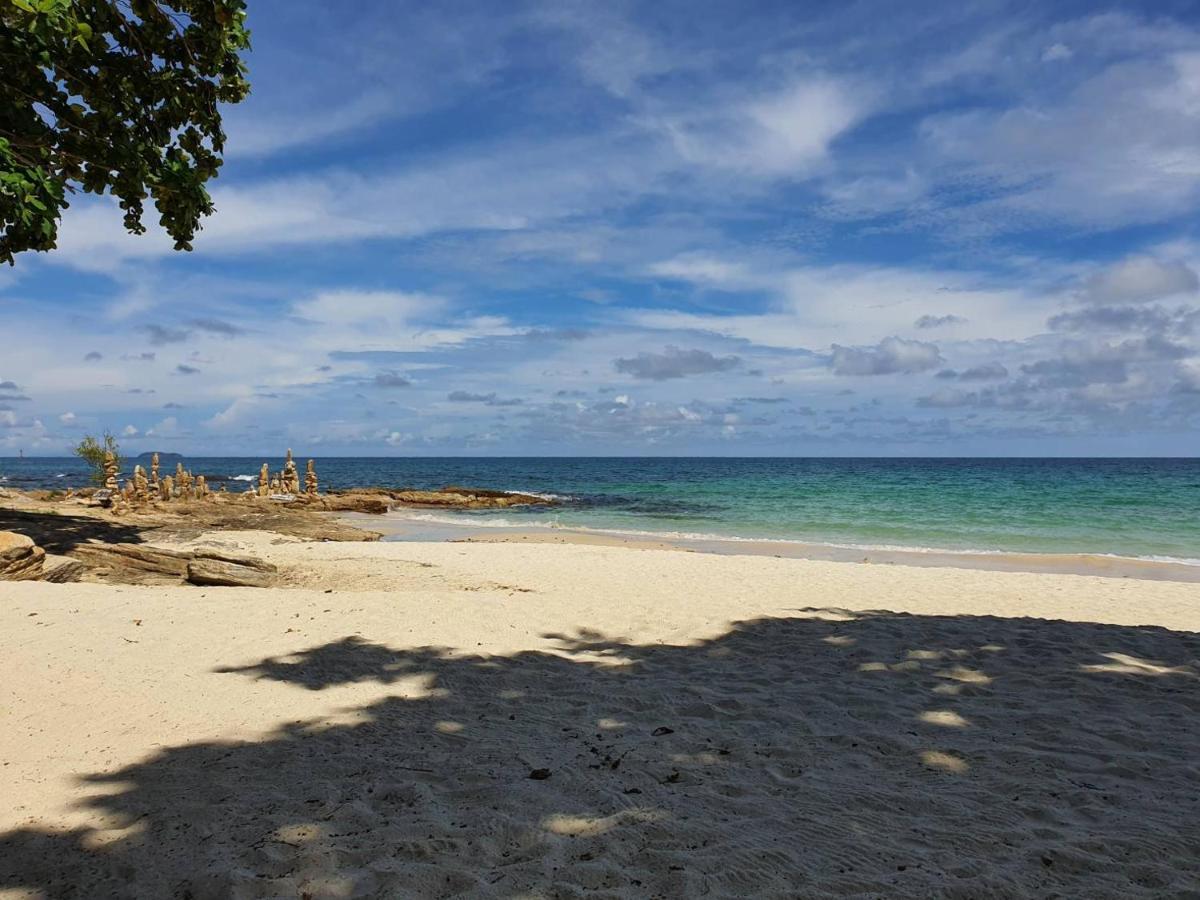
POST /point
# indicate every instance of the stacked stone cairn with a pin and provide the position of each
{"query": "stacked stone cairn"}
(141, 487)
(110, 471)
(183, 485)
(289, 479)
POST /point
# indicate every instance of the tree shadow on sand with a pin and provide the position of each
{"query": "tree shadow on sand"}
(827, 754)
(61, 533)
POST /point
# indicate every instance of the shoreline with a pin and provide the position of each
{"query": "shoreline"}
(405, 529)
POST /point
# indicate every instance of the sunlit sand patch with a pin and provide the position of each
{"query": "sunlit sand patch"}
(1124, 664)
(346, 718)
(830, 614)
(937, 654)
(944, 762)
(839, 640)
(300, 833)
(945, 717)
(925, 654)
(702, 759)
(103, 838)
(965, 675)
(580, 826)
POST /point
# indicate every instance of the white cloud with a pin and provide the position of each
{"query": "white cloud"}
(891, 356)
(369, 310)
(785, 133)
(1140, 279)
(168, 427)
(814, 306)
(1056, 52)
(1120, 148)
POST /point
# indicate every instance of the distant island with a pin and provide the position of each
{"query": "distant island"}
(162, 457)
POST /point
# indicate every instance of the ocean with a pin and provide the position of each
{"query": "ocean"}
(1146, 508)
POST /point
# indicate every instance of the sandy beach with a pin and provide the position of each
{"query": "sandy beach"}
(555, 720)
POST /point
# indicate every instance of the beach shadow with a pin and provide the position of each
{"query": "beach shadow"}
(825, 754)
(60, 533)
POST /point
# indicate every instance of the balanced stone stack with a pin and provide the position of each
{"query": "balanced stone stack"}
(141, 487)
(289, 479)
(20, 558)
(110, 471)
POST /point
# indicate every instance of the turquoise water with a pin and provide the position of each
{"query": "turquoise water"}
(1127, 507)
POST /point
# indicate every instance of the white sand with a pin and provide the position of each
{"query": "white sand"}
(377, 740)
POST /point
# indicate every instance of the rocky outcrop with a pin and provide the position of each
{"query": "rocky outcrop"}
(468, 498)
(229, 571)
(380, 500)
(62, 569)
(133, 558)
(20, 558)
(356, 502)
(142, 564)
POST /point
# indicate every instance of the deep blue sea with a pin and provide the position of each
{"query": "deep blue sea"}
(1127, 507)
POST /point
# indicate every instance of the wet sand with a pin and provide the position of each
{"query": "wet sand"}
(399, 528)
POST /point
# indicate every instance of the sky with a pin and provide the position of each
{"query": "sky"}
(743, 228)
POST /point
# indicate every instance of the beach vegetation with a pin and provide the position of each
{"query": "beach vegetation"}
(114, 97)
(91, 450)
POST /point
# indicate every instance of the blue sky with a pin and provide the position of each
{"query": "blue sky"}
(669, 228)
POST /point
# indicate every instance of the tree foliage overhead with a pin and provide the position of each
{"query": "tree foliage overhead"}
(118, 96)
